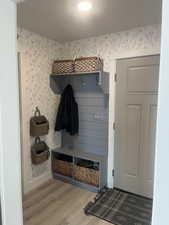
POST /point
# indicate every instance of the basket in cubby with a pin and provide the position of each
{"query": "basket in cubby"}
(62, 164)
(86, 175)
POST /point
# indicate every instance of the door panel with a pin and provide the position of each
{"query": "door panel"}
(133, 139)
(136, 109)
(149, 153)
(143, 79)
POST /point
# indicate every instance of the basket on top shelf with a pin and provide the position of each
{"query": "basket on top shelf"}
(79, 65)
(88, 64)
(63, 66)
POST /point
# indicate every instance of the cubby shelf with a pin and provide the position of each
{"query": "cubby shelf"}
(80, 80)
(100, 159)
(76, 153)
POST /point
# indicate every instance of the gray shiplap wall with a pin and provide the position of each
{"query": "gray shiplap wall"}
(91, 93)
(93, 124)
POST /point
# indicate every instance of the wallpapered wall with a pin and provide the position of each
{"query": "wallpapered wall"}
(116, 45)
(37, 54)
(136, 42)
(36, 57)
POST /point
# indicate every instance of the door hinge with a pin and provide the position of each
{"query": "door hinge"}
(113, 173)
(115, 77)
(114, 126)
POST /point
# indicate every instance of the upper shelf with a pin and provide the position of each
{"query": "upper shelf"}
(86, 81)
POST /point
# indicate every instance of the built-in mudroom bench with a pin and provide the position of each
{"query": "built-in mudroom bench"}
(82, 159)
(82, 169)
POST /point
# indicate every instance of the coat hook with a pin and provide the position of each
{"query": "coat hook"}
(83, 82)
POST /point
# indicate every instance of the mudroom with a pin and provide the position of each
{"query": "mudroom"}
(88, 90)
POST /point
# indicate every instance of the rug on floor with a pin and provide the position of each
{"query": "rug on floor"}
(121, 208)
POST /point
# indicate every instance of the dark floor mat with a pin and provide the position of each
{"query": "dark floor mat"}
(121, 208)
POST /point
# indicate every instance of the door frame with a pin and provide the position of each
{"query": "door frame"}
(115, 108)
(112, 102)
(10, 167)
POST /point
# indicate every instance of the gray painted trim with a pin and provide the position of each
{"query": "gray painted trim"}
(76, 183)
(100, 79)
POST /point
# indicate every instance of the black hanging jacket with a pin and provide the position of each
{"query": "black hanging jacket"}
(67, 116)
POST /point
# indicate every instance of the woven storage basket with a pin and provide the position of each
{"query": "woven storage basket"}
(86, 175)
(39, 152)
(39, 125)
(88, 64)
(63, 66)
(62, 167)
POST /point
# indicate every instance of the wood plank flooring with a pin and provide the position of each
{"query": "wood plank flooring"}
(58, 203)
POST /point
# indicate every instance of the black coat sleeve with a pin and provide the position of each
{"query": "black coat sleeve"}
(68, 116)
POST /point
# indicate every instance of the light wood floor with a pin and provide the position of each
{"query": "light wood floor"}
(58, 203)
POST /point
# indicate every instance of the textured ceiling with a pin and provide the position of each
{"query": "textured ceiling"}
(62, 21)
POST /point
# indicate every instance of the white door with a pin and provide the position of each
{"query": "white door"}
(135, 119)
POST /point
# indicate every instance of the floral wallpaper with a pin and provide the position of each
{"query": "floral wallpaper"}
(36, 56)
(116, 45)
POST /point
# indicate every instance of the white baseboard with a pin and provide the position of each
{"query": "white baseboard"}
(36, 182)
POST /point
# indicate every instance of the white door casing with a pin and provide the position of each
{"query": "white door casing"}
(10, 177)
(135, 119)
(161, 187)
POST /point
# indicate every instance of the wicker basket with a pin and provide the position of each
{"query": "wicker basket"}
(62, 167)
(88, 64)
(39, 152)
(63, 66)
(39, 125)
(86, 175)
